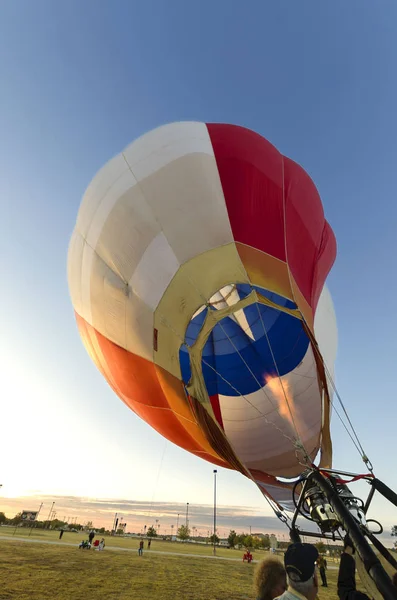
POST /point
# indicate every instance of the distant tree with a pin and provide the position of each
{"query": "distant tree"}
(17, 519)
(76, 526)
(89, 525)
(101, 530)
(321, 547)
(265, 543)
(120, 531)
(3, 518)
(256, 542)
(57, 524)
(214, 539)
(240, 539)
(394, 530)
(151, 532)
(232, 539)
(248, 542)
(183, 532)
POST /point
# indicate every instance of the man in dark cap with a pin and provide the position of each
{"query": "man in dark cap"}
(299, 562)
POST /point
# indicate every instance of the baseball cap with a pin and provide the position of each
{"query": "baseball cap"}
(299, 561)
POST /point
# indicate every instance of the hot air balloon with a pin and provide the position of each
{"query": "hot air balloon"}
(196, 271)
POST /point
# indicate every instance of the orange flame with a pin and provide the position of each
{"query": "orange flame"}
(281, 391)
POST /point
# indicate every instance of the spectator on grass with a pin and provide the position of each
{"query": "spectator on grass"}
(299, 562)
(61, 534)
(101, 544)
(91, 536)
(149, 543)
(347, 574)
(140, 549)
(270, 579)
(322, 565)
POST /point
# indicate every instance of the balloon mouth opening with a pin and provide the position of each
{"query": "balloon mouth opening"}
(236, 337)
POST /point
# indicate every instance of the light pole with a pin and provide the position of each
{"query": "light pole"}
(215, 472)
(49, 515)
(115, 522)
(187, 515)
(177, 524)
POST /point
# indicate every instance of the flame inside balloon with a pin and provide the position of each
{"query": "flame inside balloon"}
(286, 406)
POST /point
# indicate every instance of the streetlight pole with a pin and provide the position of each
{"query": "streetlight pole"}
(187, 515)
(49, 515)
(215, 472)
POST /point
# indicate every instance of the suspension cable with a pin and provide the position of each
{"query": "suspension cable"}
(282, 384)
(297, 442)
(356, 441)
(269, 422)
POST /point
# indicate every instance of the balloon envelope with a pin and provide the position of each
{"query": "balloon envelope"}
(196, 271)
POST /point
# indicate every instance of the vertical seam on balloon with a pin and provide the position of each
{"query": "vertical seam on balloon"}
(319, 253)
(158, 223)
(286, 257)
(220, 182)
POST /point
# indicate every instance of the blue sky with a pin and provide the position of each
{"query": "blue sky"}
(81, 80)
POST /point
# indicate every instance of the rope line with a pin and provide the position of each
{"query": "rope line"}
(260, 386)
(360, 447)
(269, 422)
(158, 477)
(355, 441)
(290, 439)
(281, 381)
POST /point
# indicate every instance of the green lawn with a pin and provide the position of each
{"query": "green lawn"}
(121, 542)
(34, 571)
(44, 572)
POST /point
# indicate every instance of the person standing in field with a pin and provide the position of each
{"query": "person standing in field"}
(61, 534)
(347, 574)
(91, 536)
(149, 543)
(322, 565)
(140, 549)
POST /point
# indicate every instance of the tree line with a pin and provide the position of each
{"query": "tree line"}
(17, 521)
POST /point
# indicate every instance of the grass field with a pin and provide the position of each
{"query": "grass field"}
(42, 572)
(133, 543)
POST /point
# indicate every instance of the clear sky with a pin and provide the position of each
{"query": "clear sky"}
(81, 80)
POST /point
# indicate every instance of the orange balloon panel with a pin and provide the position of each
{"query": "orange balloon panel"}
(152, 393)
